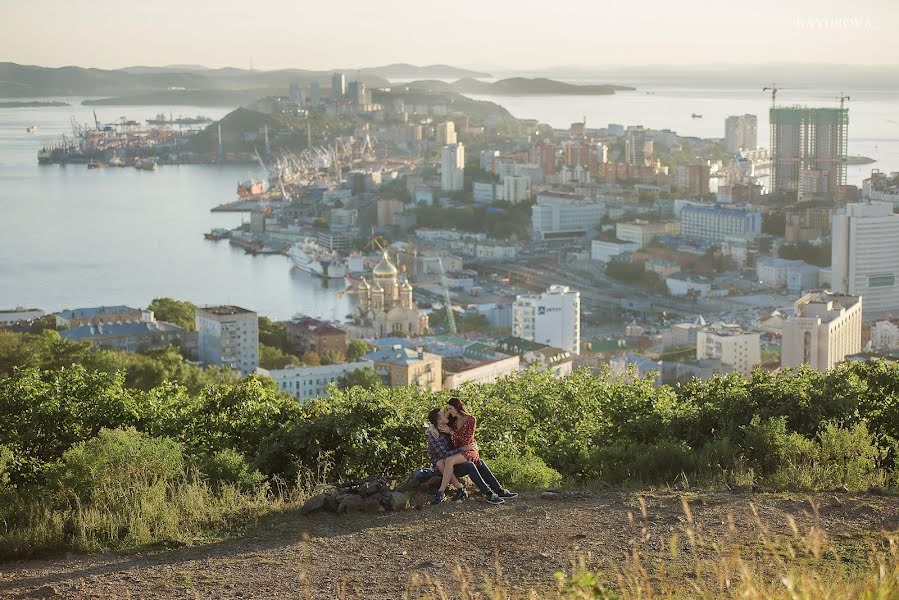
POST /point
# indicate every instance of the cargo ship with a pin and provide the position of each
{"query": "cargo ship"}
(145, 164)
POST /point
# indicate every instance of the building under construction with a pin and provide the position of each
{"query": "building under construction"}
(809, 151)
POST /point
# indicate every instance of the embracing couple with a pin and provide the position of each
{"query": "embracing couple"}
(454, 452)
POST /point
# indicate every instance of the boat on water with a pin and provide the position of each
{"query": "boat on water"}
(308, 256)
(32, 129)
(251, 187)
(96, 164)
(696, 116)
(115, 161)
(146, 164)
(217, 234)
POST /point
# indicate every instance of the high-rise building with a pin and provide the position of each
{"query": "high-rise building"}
(638, 148)
(357, 93)
(741, 132)
(731, 345)
(452, 167)
(562, 215)
(446, 133)
(315, 93)
(825, 329)
(694, 179)
(716, 223)
(516, 189)
(809, 151)
(228, 336)
(865, 256)
(338, 86)
(552, 318)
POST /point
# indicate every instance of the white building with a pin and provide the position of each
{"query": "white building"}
(552, 318)
(795, 275)
(20, 315)
(606, 250)
(681, 284)
(731, 345)
(559, 215)
(487, 191)
(516, 189)
(452, 167)
(716, 223)
(446, 133)
(885, 334)
(485, 372)
(865, 256)
(305, 383)
(228, 336)
(643, 232)
(824, 330)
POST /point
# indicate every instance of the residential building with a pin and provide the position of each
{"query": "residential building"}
(824, 330)
(306, 334)
(605, 250)
(795, 275)
(338, 86)
(552, 318)
(446, 133)
(741, 132)
(638, 149)
(459, 371)
(516, 189)
(865, 256)
(809, 151)
(885, 334)
(100, 315)
(731, 345)
(716, 223)
(562, 215)
(643, 232)
(358, 94)
(388, 209)
(130, 336)
(399, 365)
(683, 284)
(228, 336)
(694, 179)
(486, 191)
(538, 356)
(385, 305)
(452, 167)
(19, 315)
(661, 267)
(306, 383)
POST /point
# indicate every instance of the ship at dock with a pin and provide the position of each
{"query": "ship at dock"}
(162, 120)
(308, 256)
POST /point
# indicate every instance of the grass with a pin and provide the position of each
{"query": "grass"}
(800, 565)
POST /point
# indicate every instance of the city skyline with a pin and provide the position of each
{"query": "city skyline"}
(489, 38)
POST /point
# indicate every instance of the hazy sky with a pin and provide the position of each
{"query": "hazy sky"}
(324, 34)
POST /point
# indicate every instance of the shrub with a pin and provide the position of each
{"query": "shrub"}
(527, 472)
(231, 467)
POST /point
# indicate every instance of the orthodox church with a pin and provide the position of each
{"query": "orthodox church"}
(385, 305)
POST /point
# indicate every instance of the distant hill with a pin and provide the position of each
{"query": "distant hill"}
(407, 71)
(227, 98)
(519, 86)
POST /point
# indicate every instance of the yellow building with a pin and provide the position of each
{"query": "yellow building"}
(400, 366)
(385, 306)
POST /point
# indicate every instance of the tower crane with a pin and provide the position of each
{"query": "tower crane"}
(448, 306)
(773, 89)
(842, 98)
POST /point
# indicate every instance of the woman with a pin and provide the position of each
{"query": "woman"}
(462, 428)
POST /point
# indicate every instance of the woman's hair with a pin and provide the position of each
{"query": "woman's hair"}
(457, 403)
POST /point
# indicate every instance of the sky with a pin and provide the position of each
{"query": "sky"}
(491, 34)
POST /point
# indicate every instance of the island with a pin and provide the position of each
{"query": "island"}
(34, 104)
(519, 86)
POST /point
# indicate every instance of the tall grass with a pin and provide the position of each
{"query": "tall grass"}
(803, 564)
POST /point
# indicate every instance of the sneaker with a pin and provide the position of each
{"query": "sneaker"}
(438, 498)
(507, 495)
(494, 499)
(460, 493)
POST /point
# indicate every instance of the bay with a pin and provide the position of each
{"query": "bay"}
(72, 237)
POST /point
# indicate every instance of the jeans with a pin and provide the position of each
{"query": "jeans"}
(481, 476)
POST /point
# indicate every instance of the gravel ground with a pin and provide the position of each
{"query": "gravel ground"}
(287, 555)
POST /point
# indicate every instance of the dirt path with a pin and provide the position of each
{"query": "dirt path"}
(328, 556)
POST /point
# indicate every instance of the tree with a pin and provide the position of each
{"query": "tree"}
(332, 357)
(364, 378)
(180, 312)
(274, 333)
(273, 358)
(311, 359)
(357, 348)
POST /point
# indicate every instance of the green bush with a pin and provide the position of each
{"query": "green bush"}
(526, 472)
(231, 467)
(108, 468)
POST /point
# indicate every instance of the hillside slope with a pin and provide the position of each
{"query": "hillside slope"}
(289, 556)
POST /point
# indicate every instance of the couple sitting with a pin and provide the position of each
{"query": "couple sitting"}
(454, 452)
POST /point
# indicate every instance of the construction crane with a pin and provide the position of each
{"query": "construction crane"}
(773, 89)
(842, 98)
(448, 306)
(97, 122)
